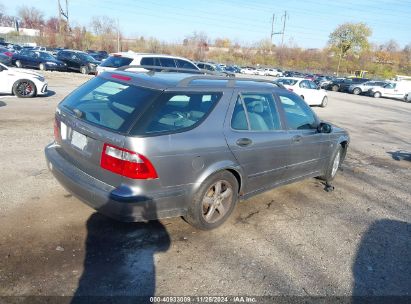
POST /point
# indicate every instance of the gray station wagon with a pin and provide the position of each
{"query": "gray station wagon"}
(143, 146)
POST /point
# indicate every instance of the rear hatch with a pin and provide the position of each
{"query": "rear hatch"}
(98, 114)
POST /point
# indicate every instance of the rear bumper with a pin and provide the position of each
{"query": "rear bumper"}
(111, 201)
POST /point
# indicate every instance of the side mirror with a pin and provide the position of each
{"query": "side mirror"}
(324, 127)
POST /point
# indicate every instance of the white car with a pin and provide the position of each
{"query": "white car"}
(308, 90)
(395, 89)
(260, 72)
(273, 72)
(248, 71)
(23, 84)
(117, 60)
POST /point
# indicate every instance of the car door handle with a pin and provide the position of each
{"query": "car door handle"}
(244, 142)
(296, 138)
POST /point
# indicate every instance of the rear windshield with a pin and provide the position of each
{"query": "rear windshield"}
(176, 112)
(107, 103)
(116, 62)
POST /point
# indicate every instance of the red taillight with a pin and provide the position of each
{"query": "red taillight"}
(127, 163)
(289, 89)
(57, 131)
(8, 54)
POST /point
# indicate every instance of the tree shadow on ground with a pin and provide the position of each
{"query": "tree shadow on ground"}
(382, 267)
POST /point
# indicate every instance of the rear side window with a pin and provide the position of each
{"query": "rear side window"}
(175, 112)
(109, 104)
(183, 64)
(116, 62)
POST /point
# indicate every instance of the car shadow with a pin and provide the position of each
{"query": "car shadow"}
(119, 260)
(400, 155)
(50, 93)
(382, 267)
(2, 104)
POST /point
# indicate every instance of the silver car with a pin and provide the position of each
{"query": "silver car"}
(143, 146)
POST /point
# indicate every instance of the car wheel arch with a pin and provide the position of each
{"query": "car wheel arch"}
(229, 166)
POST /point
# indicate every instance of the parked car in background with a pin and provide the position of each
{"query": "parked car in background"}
(78, 61)
(232, 69)
(361, 88)
(260, 72)
(343, 87)
(23, 84)
(334, 85)
(38, 60)
(215, 68)
(6, 60)
(395, 89)
(273, 72)
(117, 60)
(306, 89)
(98, 55)
(323, 81)
(248, 71)
(122, 141)
(6, 51)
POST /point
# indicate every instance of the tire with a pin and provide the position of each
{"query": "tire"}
(202, 213)
(333, 165)
(42, 67)
(84, 70)
(356, 91)
(324, 102)
(377, 95)
(335, 88)
(302, 96)
(24, 88)
(18, 64)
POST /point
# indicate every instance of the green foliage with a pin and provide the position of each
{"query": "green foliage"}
(350, 37)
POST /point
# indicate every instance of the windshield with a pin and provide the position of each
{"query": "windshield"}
(287, 81)
(46, 56)
(85, 57)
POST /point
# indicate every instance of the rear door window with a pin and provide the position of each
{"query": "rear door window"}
(175, 112)
(109, 104)
(167, 62)
(183, 64)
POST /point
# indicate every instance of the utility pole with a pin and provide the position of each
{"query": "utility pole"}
(59, 14)
(118, 36)
(284, 17)
(272, 30)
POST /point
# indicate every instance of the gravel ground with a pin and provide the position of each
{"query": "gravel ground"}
(294, 240)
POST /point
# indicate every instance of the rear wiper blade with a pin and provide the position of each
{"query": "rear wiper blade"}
(78, 113)
(75, 111)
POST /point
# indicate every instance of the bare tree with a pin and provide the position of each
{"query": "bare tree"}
(30, 17)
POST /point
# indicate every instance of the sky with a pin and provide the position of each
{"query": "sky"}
(308, 22)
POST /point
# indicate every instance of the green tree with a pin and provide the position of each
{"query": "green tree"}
(350, 38)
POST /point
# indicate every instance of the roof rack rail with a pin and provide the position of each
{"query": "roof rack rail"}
(231, 82)
(156, 69)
